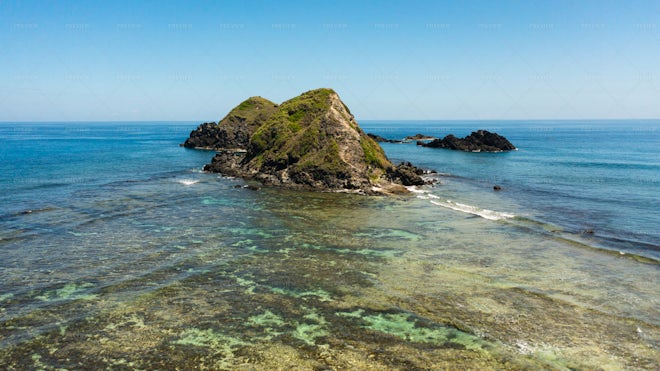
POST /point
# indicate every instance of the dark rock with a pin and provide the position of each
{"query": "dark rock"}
(205, 136)
(226, 162)
(406, 174)
(380, 139)
(420, 137)
(477, 141)
(251, 187)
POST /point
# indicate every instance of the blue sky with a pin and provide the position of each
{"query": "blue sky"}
(388, 60)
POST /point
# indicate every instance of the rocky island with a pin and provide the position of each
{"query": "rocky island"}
(311, 142)
(477, 141)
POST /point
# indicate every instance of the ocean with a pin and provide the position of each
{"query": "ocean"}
(118, 252)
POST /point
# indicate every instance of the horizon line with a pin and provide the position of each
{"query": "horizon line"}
(359, 120)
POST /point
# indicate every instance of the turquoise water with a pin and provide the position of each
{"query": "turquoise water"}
(600, 176)
(118, 252)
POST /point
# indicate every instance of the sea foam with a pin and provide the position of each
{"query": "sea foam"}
(484, 213)
(187, 182)
(474, 210)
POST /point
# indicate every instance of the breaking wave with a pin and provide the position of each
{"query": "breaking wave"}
(456, 206)
(187, 182)
(484, 213)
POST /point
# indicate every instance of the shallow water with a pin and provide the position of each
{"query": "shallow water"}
(574, 176)
(175, 268)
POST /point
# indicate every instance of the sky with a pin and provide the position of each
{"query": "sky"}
(388, 60)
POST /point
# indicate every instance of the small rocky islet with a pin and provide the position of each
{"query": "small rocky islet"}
(477, 141)
(309, 142)
(313, 142)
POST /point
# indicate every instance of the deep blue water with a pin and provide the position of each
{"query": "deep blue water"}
(47, 163)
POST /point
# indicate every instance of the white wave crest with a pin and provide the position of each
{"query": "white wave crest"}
(414, 189)
(187, 182)
(484, 213)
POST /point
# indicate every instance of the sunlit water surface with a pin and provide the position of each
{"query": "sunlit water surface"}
(148, 263)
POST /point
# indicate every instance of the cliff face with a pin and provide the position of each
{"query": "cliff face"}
(311, 141)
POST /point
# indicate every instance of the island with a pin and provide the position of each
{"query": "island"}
(308, 142)
(477, 141)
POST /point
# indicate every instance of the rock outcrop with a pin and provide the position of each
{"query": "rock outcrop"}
(477, 141)
(407, 139)
(406, 173)
(311, 141)
(380, 139)
(419, 137)
(233, 132)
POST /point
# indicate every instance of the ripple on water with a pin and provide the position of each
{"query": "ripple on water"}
(281, 279)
